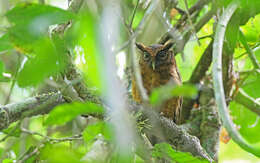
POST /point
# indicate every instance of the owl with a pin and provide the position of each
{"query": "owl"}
(158, 68)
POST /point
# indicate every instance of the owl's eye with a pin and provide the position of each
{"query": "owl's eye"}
(162, 55)
(146, 56)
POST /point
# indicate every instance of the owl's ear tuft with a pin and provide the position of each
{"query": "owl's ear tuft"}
(167, 45)
(140, 46)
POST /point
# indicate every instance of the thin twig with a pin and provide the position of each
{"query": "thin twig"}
(29, 153)
(13, 80)
(53, 140)
(249, 50)
(218, 81)
(190, 21)
(194, 10)
(254, 49)
(32, 151)
(137, 73)
(184, 38)
(134, 64)
(199, 5)
(140, 26)
(204, 37)
(133, 16)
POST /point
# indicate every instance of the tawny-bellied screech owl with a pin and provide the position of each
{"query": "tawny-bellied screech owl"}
(158, 67)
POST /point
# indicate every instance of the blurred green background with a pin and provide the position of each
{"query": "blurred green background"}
(247, 122)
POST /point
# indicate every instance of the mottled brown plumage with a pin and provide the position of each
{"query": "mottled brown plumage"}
(158, 68)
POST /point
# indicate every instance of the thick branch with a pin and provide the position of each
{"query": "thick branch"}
(197, 75)
(203, 65)
(244, 99)
(45, 103)
(30, 107)
(218, 81)
(204, 123)
(210, 124)
(174, 135)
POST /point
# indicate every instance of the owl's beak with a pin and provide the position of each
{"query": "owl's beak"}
(153, 65)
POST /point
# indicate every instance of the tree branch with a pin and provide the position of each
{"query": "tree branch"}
(244, 99)
(218, 81)
(30, 107)
(75, 5)
(174, 134)
(203, 65)
(43, 104)
(140, 26)
(182, 40)
(249, 50)
(193, 30)
(197, 75)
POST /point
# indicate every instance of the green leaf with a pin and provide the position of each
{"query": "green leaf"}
(47, 61)
(251, 84)
(66, 112)
(248, 122)
(84, 34)
(166, 92)
(13, 130)
(31, 22)
(5, 43)
(24, 12)
(1, 151)
(1, 69)
(92, 130)
(165, 151)
(60, 153)
(7, 161)
(122, 156)
(29, 35)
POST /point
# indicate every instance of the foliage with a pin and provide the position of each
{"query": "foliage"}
(164, 150)
(166, 92)
(29, 34)
(67, 112)
(31, 31)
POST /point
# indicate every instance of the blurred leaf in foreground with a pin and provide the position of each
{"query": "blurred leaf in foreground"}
(66, 112)
(12, 130)
(1, 69)
(29, 34)
(5, 43)
(30, 22)
(165, 151)
(60, 153)
(83, 38)
(92, 130)
(166, 92)
(47, 61)
(248, 123)
(8, 161)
